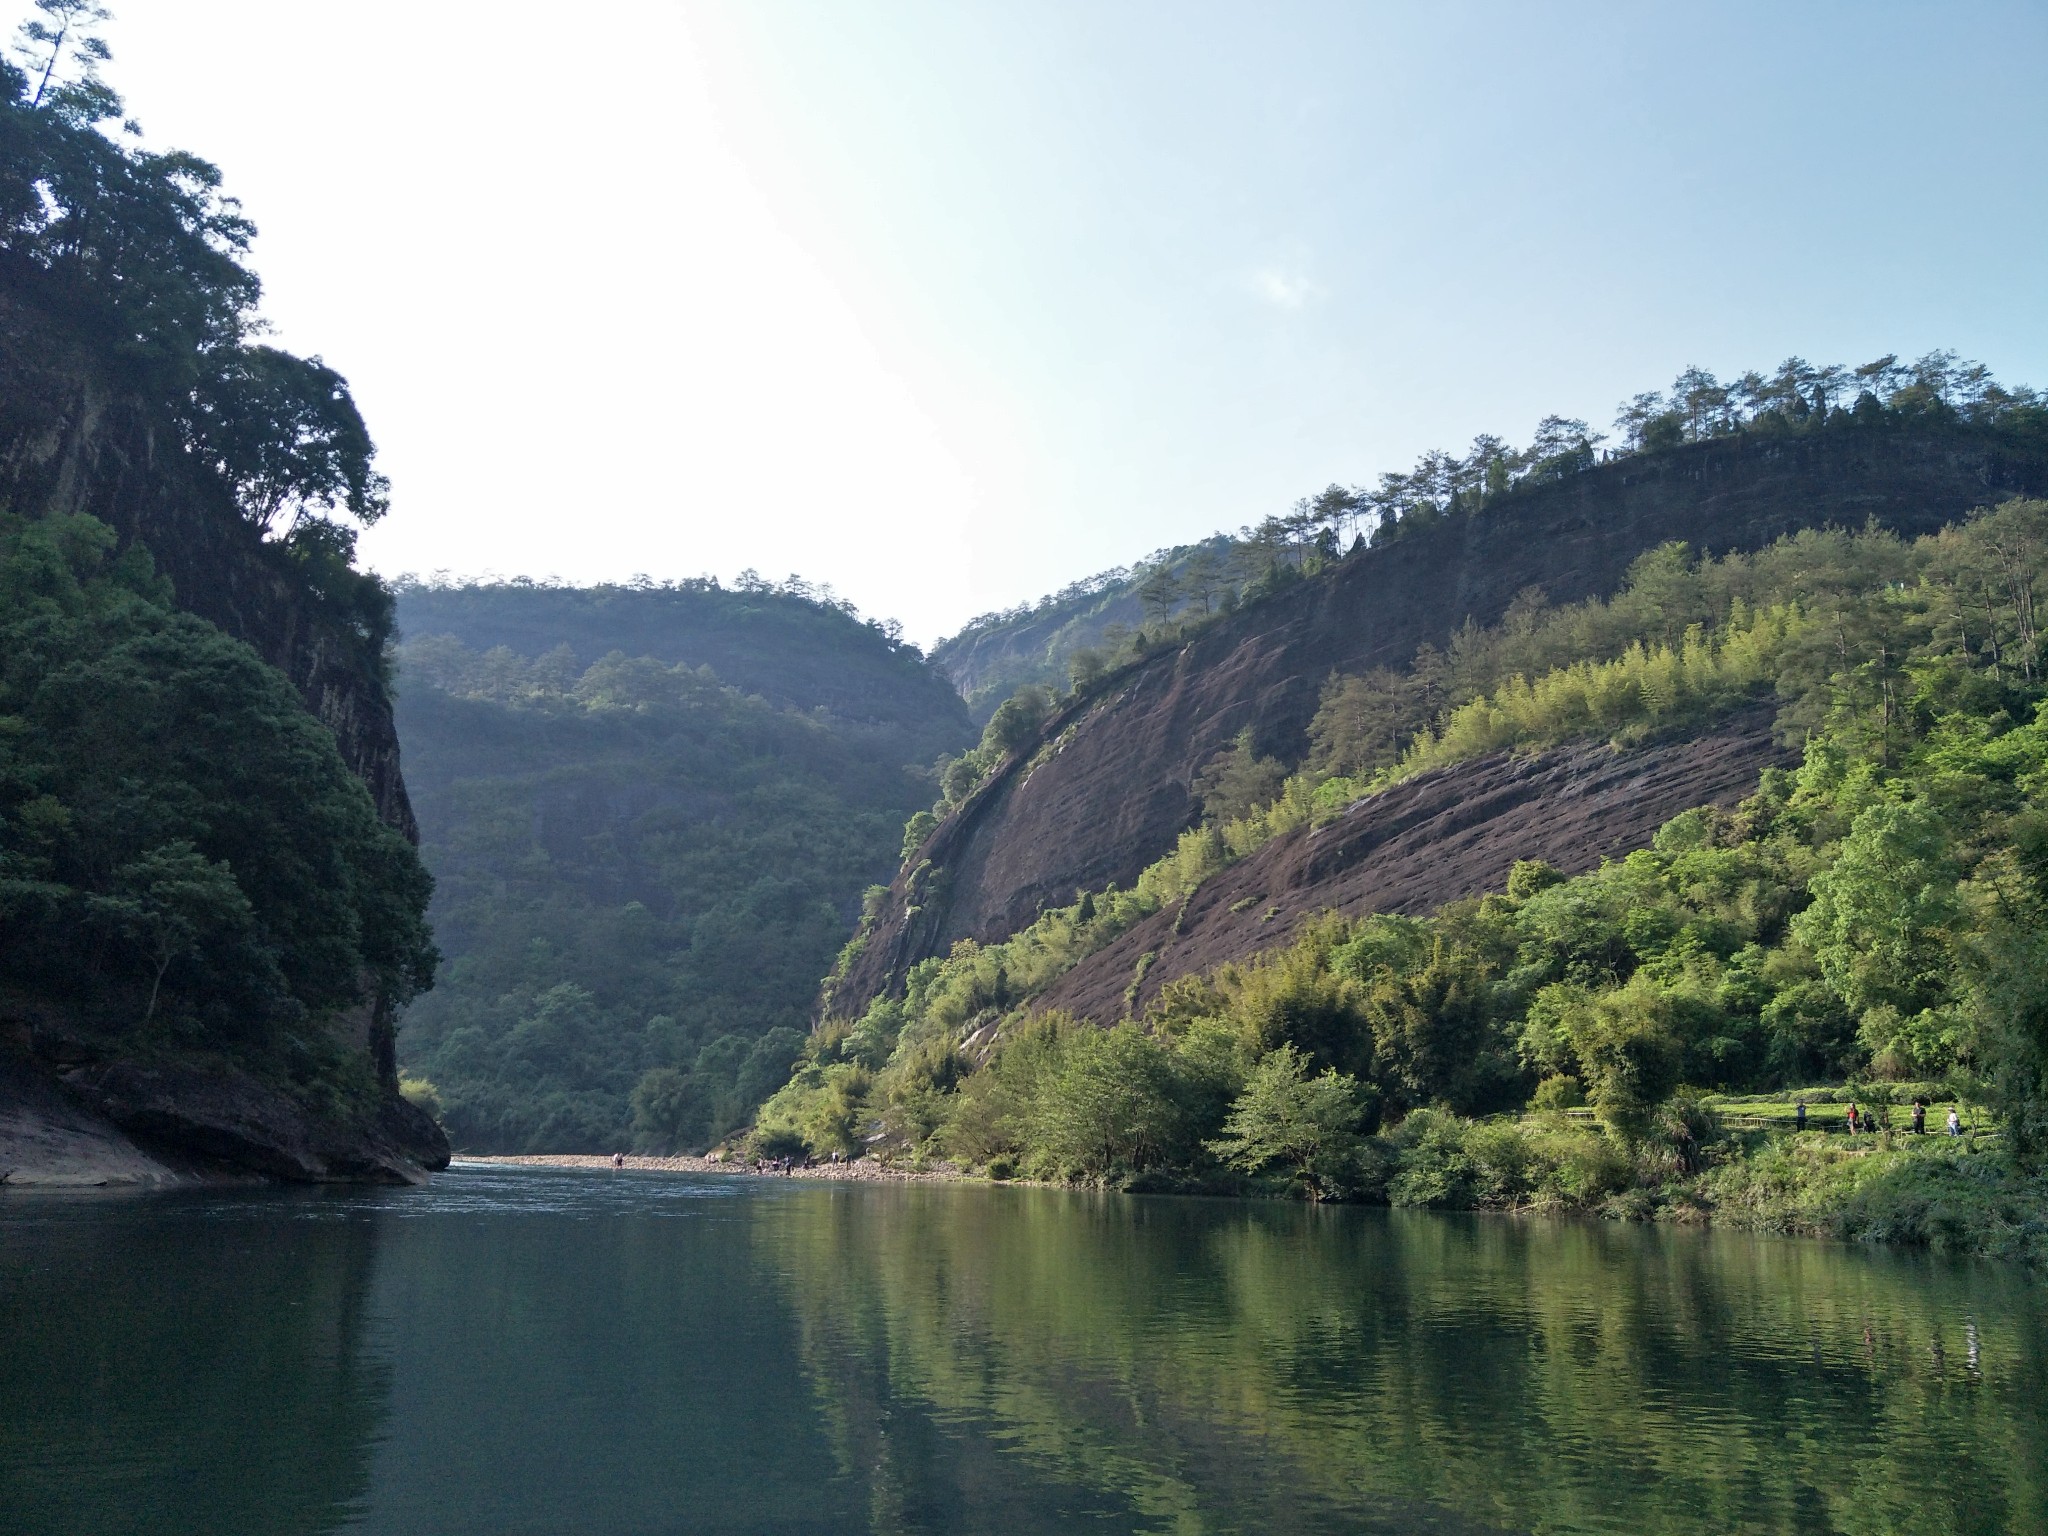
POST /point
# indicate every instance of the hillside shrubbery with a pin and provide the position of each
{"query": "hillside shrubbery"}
(1877, 913)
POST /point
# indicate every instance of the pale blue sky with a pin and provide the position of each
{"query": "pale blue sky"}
(949, 303)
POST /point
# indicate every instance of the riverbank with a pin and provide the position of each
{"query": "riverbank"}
(1925, 1193)
(864, 1171)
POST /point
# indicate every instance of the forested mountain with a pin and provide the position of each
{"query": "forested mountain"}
(1041, 643)
(788, 642)
(1709, 768)
(651, 812)
(1878, 912)
(210, 906)
(1087, 792)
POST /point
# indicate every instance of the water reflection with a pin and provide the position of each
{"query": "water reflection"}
(170, 1365)
(1212, 1366)
(520, 1351)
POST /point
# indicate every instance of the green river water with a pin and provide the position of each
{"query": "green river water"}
(525, 1350)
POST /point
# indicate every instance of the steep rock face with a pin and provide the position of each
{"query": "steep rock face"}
(72, 440)
(1438, 837)
(75, 439)
(1114, 791)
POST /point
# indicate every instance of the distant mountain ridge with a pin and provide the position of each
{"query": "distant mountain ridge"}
(995, 654)
(651, 813)
(789, 645)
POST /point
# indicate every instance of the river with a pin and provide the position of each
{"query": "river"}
(515, 1350)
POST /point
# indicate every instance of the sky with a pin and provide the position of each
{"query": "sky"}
(947, 303)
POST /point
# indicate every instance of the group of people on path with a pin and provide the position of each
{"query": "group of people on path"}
(1861, 1120)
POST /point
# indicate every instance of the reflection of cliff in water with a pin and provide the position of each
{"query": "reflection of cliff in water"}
(229, 1350)
(1213, 1366)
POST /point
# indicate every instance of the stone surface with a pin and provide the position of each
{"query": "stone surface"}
(48, 1140)
(224, 1121)
(1441, 836)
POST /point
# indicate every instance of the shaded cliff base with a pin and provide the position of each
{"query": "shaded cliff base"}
(67, 1123)
(50, 1140)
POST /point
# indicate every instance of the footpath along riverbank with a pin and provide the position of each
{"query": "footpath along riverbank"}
(863, 1171)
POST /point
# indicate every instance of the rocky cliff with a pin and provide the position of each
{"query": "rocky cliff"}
(1436, 838)
(1110, 789)
(74, 439)
(77, 437)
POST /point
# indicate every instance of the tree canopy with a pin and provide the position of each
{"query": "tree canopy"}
(145, 252)
(184, 857)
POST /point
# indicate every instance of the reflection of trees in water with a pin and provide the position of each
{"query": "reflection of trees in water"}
(1216, 1366)
(170, 1372)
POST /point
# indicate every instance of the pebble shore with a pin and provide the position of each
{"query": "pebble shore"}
(863, 1170)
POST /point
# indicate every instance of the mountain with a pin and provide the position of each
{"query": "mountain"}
(994, 655)
(651, 813)
(1444, 836)
(789, 644)
(1111, 781)
(1484, 865)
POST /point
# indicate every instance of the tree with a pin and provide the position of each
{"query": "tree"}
(1365, 721)
(202, 850)
(61, 57)
(1309, 1124)
(1563, 445)
(1158, 592)
(1204, 578)
(284, 433)
(1880, 914)
(1628, 1053)
(1433, 1041)
(1237, 780)
(172, 901)
(1086, 667)
(1112, 1106)
(1015, 724)
(1634, 415)
(1699, 396)
(148, 247)
(669, 1111)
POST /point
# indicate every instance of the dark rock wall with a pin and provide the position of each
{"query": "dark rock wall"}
(75, 439)
(71, 440)
(1115, 793)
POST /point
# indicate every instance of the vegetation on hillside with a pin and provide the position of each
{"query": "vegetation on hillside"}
(1822, 622)
(791, 642)
(186, 863)
(1879, 913)
(184, 858)
(642, 869)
